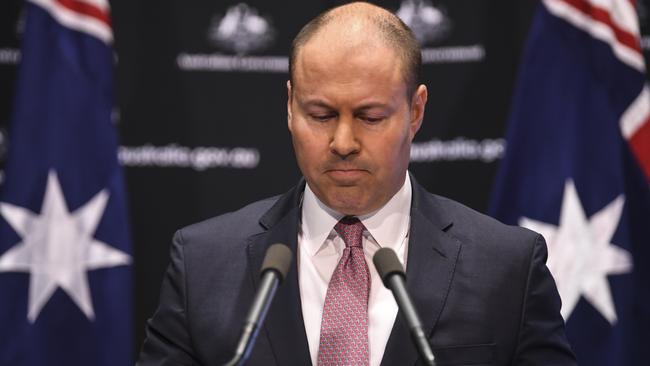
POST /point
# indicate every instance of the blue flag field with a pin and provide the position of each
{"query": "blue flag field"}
(576, 170)
(65, 275)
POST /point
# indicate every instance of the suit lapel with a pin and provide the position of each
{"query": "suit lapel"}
(432, 256)
(431, 260)
(284, 324)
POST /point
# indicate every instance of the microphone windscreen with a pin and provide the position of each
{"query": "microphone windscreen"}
(387, 263)
(278, 258)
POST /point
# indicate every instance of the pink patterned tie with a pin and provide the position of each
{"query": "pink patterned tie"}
(344, 328)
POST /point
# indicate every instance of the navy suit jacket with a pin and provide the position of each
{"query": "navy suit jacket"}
(482, 289)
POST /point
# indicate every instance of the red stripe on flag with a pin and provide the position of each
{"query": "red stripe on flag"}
(87, 10)
(640, 143)
(602, 16)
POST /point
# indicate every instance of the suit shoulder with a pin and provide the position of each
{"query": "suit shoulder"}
(475, 228)
(231, 226)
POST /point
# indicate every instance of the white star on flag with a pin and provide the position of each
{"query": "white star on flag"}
(581, 255)
(58, 248)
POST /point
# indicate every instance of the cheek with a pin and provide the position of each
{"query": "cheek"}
(392, 149)
(310, 146)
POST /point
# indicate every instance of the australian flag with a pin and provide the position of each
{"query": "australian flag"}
(65, 289)
(576, 170)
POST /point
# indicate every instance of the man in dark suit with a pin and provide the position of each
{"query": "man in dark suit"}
(354, 105)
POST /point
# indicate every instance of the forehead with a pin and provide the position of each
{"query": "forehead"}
(347, 60)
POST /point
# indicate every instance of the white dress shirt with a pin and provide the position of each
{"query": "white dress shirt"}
(320, 248)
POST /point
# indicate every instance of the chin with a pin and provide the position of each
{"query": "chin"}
(348, 204)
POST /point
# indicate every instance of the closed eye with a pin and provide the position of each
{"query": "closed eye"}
(372, 119)
(322, 117)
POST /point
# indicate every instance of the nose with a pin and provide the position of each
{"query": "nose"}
(344, 142)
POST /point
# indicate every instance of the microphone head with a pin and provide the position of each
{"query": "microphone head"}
(278, 259)
(387, 264)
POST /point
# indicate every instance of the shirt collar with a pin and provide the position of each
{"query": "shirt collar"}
(388, 226)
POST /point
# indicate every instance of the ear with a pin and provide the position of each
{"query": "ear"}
(289, 100)
(418, 102)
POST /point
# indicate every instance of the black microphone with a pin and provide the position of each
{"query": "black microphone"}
(274, 270)
(392, 274)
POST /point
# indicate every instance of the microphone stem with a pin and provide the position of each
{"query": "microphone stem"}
(268, 285)
(406, 307)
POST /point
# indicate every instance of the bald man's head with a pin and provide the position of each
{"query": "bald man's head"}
(357, 24)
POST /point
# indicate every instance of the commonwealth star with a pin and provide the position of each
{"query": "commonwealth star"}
(581, 255)
(58, 248)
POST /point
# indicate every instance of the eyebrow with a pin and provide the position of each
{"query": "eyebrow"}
(361, 108)
(371, 105)
(314, 103)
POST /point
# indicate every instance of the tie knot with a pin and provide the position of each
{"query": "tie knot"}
(351, 230)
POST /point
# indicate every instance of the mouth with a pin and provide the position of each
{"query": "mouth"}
(346, 176)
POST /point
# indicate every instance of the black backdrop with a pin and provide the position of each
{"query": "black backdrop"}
(201, 105)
